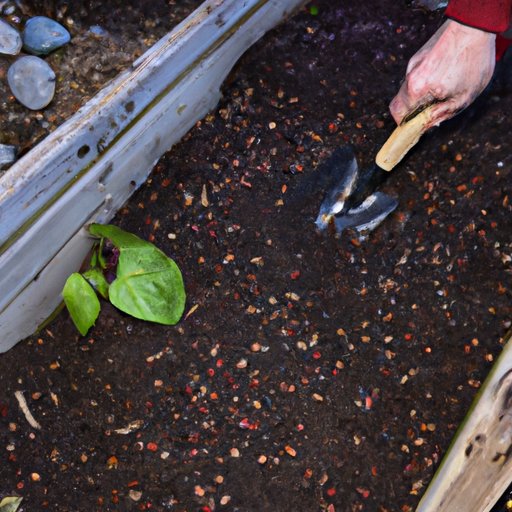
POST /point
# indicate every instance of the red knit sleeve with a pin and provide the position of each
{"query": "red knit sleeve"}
(488, 15)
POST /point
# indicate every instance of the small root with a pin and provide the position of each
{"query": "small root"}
(25, 410)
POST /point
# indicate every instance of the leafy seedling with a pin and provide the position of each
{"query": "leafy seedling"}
(133, 274)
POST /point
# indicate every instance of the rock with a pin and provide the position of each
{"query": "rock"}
(432, 5)
(42, 35)
(7, 154)
(32, 81)
(10, 39)
(98, 31)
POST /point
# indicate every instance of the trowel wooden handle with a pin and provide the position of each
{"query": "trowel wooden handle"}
(403, 139)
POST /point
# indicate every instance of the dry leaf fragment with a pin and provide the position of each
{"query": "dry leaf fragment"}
(131, 427)
(191, 310)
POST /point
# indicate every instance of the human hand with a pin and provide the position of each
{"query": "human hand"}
(452, 68)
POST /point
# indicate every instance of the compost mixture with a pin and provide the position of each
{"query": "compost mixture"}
(311, 371)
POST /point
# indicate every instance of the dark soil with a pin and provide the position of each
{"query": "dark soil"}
(312, 372)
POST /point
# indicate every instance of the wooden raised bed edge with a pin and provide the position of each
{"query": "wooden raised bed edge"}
(85, 170)
(477, 468)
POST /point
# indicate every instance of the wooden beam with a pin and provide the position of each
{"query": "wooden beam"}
(477, 469)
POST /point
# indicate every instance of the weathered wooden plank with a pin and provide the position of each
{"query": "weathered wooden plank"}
(477, 469)
(90, 165)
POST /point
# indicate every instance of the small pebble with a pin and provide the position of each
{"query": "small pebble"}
(32, 82)
(234, 452)
(290, 450)
(433, 5)
(42, 35)
(242, 364)
(98, 31)
(10, 39)
(135, 495)
(225, 500)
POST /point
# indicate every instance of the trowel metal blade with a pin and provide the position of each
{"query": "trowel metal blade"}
(343, 173)
(368, 181)
(368, 215)
(349, 188)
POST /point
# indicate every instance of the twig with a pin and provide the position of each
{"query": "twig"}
(25, 410)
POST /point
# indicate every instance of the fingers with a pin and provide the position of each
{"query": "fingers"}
(409, 99)
(443, 111)
(399, 106)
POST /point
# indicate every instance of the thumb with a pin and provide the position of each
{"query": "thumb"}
(399, 106)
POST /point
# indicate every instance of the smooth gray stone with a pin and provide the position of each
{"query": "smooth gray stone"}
(10, 39)
(42, 35)
(32, 81)
(97, 30)
(432, 5)
(7, 154)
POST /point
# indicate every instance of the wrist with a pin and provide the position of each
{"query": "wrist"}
(470, 34)
(469, 30)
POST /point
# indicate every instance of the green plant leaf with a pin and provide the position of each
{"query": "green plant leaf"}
(10, 504)
(82, 303)
(94, 256)
(119, 237)
(97, 281)
(99, 253)
(156, 296)
(148, 284)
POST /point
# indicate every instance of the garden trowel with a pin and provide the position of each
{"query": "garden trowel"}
(353, 201)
